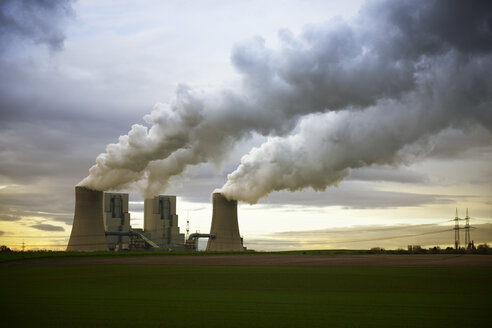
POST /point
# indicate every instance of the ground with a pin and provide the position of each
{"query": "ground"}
(252, 290)
(373, 260)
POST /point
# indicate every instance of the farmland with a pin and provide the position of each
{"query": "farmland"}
(153, 295)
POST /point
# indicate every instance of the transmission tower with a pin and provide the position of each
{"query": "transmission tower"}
(467, 230)
(187, 225)
(23, 245)
(456, 231)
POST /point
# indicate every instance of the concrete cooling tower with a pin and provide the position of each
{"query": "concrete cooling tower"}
(88, 224)
(224, 226)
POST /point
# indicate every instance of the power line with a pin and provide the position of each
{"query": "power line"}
(390, 237)
(456, 230)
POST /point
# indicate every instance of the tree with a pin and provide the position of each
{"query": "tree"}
(483, 249)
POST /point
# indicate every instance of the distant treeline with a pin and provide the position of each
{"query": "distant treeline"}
(6, 254)
(416, 249)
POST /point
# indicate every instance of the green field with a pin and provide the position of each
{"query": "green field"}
(208, 296)
(32, 255)
(28, 256)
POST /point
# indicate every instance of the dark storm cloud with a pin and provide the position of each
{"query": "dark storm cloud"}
(4, 217)
(47, 227)
(51, 200)
(42, 158)
(39, 21)
(471, 142)
(43, 95)
(436, 25)
(33, 92)
(51, 126)
(30, 151)
(342, 95)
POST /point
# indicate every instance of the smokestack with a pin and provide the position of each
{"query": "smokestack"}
(224, 226)
(88, 224)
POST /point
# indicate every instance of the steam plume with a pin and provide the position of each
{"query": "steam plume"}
(340, 96)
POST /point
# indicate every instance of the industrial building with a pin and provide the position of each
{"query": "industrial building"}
(116, 221)
(161, 223)
(102, 223)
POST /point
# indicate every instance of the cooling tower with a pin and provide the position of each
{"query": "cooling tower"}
(224, 226)
(88, 226)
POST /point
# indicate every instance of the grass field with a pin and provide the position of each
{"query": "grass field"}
(220, 296)
(6, 257)
(29, 255)
(26, 256)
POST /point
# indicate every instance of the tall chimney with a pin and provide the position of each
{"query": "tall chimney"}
(88, 224)
(224, 226)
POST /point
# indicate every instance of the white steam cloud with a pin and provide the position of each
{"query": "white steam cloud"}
(341, 96)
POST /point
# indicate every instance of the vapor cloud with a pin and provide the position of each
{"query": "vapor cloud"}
(342, 95)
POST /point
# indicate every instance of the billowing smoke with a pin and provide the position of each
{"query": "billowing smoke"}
(39, 21)
(340, 96)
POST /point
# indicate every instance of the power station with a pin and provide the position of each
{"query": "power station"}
(102, 223)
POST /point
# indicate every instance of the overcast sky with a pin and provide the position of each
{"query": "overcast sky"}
(341, 118)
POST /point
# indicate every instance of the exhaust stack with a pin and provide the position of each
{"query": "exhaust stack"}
(88, 224)
(224, 226)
